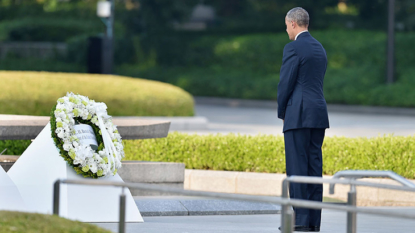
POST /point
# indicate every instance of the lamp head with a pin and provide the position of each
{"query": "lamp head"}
(104, 9)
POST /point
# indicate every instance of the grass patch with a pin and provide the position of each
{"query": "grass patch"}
(333, 200)
(35, 93)
(20, 222)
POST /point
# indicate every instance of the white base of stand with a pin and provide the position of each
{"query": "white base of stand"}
(10, 198)
(41, 165)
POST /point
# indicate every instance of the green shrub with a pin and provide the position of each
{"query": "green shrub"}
(35, 93)
(247, 66)
(265, 153)
(36, 64)
(45, 29)
(215, 81)
(14, 147)
(20, 222)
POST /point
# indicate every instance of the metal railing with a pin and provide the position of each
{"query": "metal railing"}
(351, 176)
(287, 214)
(352, 195)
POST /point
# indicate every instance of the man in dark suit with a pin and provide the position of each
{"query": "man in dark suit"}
(302, 107)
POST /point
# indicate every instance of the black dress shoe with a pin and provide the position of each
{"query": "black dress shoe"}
(301, 228)
(314, 229)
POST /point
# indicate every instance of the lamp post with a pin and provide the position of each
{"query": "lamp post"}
(105, 11)
(391, 42)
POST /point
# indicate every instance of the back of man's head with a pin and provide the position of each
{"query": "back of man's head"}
(299, 16)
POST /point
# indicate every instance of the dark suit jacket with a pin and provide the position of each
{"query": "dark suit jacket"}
(301, 100)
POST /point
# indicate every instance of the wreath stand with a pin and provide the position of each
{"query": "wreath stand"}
(10, 198)
(41, 165)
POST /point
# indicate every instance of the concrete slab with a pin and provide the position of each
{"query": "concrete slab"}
(269, 184)
(259, 183)
(161, 207)
(13, 127)
(139, 192)
(9, 158)
(183, 123)
(187, 205)
(158, 173)
(218, 181)
(228, 207)
(152, 172)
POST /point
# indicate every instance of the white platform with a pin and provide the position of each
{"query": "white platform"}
(10, 198)
(41, 165)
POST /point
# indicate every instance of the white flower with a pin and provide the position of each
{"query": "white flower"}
(95, 120)
(102, 153)
(61, 134)
(67, 146)
(93, 167)
(84, 113)
(79, 160)
(74, 138)
(91, 109)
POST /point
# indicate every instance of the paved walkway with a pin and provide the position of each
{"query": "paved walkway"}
(332, 222)
(249, 120)
(191, 205)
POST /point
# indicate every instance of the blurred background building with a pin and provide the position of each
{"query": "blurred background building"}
(221, 48)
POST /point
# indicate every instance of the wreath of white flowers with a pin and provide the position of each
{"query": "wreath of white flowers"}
(100, 160)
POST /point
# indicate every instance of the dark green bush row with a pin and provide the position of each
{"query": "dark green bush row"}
(248, 67)
(265, 153)
(36, 64)
(44, 29)
(14, 147)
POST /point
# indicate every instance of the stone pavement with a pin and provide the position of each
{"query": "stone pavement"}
(223, 115)
(245, 120)
(186, 205)
(332, 222)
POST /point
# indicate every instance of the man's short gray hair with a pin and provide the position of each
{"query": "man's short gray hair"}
(299, 15)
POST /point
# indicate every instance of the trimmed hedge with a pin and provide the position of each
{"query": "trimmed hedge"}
(37, 29)
(20, 222)
(14, 147)
(35, 93)
(36, 64)
(52, 28)
(265, 153)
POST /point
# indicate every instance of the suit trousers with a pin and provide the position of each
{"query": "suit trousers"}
(303, 157)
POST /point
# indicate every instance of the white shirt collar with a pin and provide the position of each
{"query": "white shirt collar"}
(299, 34)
